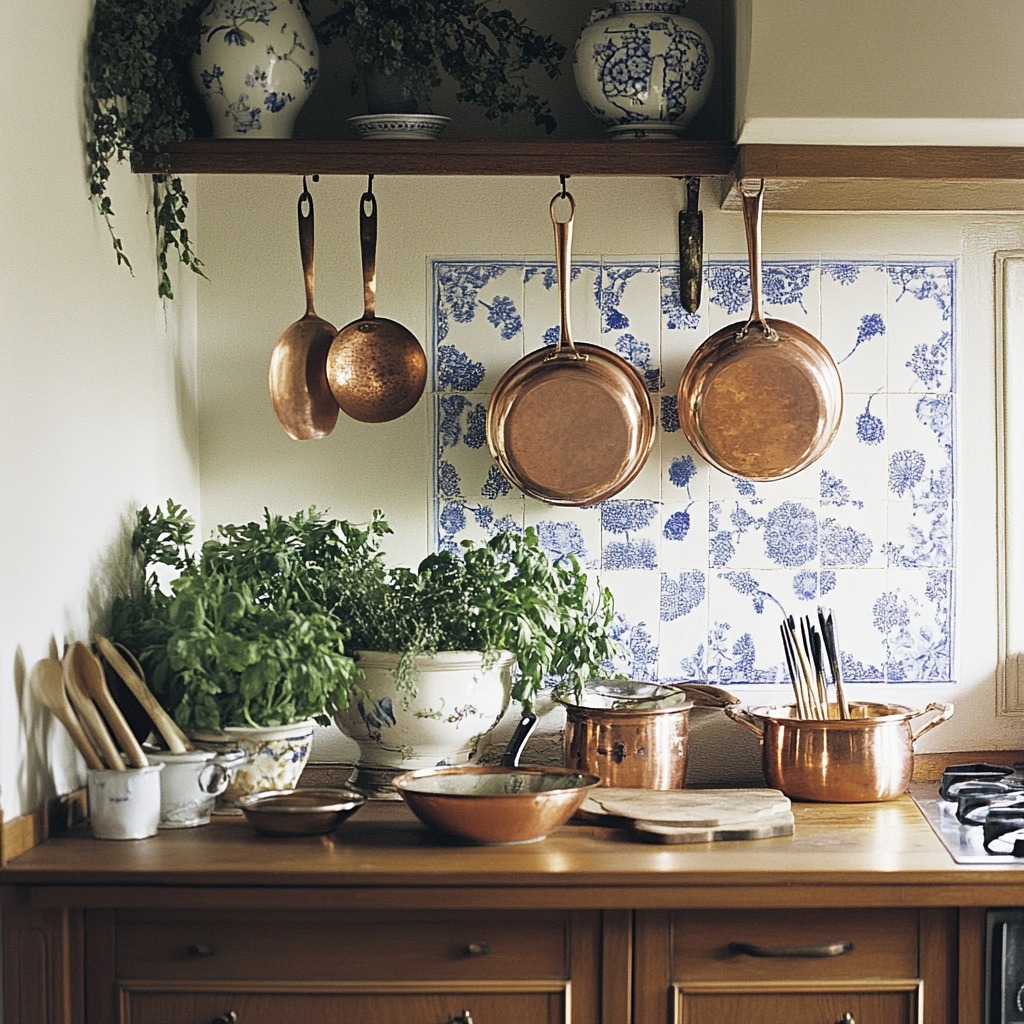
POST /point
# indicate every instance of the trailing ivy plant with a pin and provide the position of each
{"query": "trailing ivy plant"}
(484, 48)
(140, 97)
(137, 96)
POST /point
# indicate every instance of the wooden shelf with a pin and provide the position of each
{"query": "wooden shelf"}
(883, 178)
(542, 159)
(798, 178)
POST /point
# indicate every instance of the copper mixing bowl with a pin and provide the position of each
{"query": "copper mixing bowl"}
(300, 812)
(494, 804)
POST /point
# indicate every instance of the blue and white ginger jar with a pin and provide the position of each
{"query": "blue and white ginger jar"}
(642, 69)
(256, 66)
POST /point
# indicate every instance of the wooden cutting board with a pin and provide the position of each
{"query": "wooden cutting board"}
(691, 816)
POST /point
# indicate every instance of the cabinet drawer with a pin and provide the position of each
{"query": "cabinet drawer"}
(261, 945)
(781, 1005)
(884, 944)
(157, 1007)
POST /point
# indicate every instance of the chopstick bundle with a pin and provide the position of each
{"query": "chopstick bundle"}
(806, 652)
(828, 634)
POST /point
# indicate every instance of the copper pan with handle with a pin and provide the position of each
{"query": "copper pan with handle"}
(572, 425)
(760, 400)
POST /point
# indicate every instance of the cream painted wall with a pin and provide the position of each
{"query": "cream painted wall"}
(99, 393)
(247, 462)
(101, 411)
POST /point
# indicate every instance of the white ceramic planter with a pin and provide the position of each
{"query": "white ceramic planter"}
(276, 756)
(456, 701)
(256, 66)
(642, 69)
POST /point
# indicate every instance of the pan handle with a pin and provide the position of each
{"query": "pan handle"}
(745, 719)
(563, 263)
(944, 711)
(306, 243)
(753, 203)
(368, 249)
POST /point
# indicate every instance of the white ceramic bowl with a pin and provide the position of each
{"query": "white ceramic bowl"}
(398, 126)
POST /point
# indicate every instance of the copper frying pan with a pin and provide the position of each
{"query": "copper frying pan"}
(573, 425)
(760, 400)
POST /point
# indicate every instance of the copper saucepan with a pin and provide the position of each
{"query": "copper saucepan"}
(763, 399)
(865, 758)
(573, 425)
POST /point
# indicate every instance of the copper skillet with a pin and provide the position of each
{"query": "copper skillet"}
(573, 425)
(763, 399)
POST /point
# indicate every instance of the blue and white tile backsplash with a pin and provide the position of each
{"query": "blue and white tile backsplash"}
(704, 566)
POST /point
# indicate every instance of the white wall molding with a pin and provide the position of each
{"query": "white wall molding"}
(1009, 320)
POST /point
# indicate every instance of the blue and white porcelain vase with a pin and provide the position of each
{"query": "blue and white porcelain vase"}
(642, 69)
(256, 66)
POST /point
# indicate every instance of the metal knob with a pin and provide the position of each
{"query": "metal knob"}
(227, 1017)
(478, 949)
(847, 1018)
(463, 1018)
(200, 950)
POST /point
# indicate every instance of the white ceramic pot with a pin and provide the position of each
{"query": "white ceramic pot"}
(191, 782)
(643, 69)
(276, 756)
(124, 804)
(256, 66)
(455, 701)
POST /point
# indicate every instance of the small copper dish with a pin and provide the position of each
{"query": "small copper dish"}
(300, 812)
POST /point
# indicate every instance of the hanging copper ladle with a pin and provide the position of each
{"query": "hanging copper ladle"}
(376, 369)
(302, 401)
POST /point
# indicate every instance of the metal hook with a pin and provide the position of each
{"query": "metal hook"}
(563, 178)
(369, 185)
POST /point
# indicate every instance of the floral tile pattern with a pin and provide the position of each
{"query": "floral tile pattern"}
(704, 566)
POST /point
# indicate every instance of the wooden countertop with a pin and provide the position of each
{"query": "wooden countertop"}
(840, 854)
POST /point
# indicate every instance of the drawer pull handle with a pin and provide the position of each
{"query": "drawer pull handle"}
(826, 949)
(847, 1018)
(478, 949)
(463, 1018)
(200, 951)
(227, 1017)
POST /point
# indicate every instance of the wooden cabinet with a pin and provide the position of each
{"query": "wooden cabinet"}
(265, 967)
(794, 966)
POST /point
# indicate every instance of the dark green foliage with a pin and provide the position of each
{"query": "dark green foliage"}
(484, 48)
(137, 61)
(259, 626)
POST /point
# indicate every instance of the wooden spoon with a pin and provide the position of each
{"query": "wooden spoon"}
(177, 742)
(88, 713)
(48, 686)
(89, 670)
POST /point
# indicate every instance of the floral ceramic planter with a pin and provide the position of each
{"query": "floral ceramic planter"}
(276, 756)
(455, 701)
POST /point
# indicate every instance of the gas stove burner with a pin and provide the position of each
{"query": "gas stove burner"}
(957, 774)
(1003, 828)
(975, 799)
(977, 812)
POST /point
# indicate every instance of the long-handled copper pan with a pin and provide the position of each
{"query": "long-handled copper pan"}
(571, 425)
(763, 399)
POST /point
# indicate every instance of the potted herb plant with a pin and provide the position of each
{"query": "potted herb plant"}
(483, 47)
(230, 645)
(302, 616)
